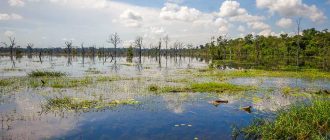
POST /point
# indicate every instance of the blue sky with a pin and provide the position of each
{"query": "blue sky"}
(49, 23)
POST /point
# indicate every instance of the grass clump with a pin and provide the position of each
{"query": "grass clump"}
(309, 73)
(301, 121)
(67, 103)
(46, 74)
(153, 88)
(71, 83)
(108, 78)
(5, 82)
(60, 82)
(93, 71)
(201, 87)
(217, 87)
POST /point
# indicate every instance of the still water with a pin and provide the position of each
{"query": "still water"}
(158, 116)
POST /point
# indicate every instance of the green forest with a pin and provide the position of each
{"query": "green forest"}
(311, 49)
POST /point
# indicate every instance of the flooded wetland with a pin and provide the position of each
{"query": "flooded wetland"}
(171, 98)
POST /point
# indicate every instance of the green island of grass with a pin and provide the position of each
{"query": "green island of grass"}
(201, 87)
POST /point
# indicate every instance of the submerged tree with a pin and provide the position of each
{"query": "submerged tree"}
(114, 39)
(30, 49)
(68, 47)
(11, 45)
(138, 43)
(166, 41)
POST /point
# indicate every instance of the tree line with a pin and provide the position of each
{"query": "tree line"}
(311, 49)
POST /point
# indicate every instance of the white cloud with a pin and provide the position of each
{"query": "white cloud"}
(222, 24)
(241, 28)
(153, 33)
(9, 33)
(19, 3)
(232, 10)
(82, 3)
(284, 23)
(157, 30)
(258, 25)
(290, 8)
(13, 16)
(131, 19)
(173, 11)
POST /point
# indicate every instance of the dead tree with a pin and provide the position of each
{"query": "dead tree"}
(11, 46)
(82, 49)
(159, 47)
(138, 43)
(114, 39)
(29, 48)
(68, 46)
(166, 41)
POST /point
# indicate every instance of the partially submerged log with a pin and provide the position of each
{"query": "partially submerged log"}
(218, 102)
(247, 109)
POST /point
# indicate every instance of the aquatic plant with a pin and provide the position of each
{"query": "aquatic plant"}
(300, 121)
(153, 87)
(107, 78)
(217, 87)
(12, 69)
(39, 73)
(67, 103)
(60, 82)
(5, 82)
(201, 87)
(310, 73)
(93, 71)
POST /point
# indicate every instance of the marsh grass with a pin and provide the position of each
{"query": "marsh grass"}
(60, 82)
(12, 69)
(300, 121)
(201, 87)
(93, 71)
(218, 87)
(67, 103)
(108, 78)
(5, 82)
(38, 73)
(308, 73)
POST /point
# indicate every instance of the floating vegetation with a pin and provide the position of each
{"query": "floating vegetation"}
(153, 88)
(12, 69)
(128, 64)
(67, 103)
(183, 80)
(218, 87)
(108, 78)
(300, 121)
(289, 90)
(60, 82)
(5, 82)
(310, 73)
(201, 87)
(93, 71)
(38, 73)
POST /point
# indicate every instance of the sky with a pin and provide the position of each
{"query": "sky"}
(49, 23)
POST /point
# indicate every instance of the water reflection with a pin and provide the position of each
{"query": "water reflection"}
(159, 116)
